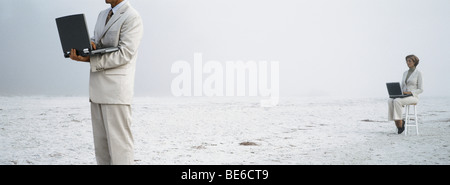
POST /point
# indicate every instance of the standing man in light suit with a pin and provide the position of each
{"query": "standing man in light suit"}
(111, 83)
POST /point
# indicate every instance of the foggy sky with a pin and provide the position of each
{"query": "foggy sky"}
(324, 47)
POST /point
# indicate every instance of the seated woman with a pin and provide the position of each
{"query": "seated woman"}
(411, 84)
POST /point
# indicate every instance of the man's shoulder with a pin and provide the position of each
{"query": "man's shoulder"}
(131, 11)
(105, 10)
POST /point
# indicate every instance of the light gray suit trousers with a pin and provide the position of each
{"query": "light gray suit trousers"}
(113, 141)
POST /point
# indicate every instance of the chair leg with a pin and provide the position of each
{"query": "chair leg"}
(408, 118)
(416, 120)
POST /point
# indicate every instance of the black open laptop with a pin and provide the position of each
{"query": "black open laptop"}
(73, 33)
(395, 91)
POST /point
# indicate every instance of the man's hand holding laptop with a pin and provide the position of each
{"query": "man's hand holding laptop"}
(74, 56)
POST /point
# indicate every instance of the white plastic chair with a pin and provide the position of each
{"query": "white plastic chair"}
(411, 119)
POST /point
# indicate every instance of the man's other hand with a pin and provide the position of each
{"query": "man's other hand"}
(93, 45)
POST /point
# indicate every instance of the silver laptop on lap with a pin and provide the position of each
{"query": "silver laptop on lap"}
(395, 90)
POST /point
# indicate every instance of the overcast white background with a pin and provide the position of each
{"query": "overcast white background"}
(325, 47)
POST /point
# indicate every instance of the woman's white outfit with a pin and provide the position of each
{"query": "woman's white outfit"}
(412, 84)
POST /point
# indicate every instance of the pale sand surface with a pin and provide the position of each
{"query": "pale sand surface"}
(168, 130)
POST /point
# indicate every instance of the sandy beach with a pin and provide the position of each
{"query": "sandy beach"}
(228, 130)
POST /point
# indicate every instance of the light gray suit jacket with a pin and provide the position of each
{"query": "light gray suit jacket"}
(112, 74)
(414, 84)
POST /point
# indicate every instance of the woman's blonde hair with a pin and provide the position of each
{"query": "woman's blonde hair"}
(413, 58)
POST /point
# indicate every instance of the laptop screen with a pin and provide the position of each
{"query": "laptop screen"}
(73, 33)
(394, 88)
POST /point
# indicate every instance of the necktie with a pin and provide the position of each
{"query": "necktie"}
(110, 14)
